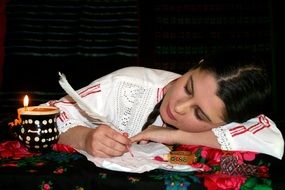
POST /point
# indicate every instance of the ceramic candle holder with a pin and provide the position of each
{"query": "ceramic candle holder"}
(38, 129)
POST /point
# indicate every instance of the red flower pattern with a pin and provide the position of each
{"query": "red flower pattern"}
(209, 160)
(63, 148)
(15, 150)
(220, 181)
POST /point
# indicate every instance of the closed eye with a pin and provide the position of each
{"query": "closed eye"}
(200, 115)
(188, 88)
(187, 91)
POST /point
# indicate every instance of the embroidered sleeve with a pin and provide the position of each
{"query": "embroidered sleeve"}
(220, 133)
(68, 124)
(258, 134)
(69, 118)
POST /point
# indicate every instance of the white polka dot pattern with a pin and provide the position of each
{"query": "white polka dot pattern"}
(38, 132)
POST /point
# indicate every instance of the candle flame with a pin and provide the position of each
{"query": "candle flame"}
(26, 101)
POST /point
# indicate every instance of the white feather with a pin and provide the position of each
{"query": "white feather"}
(97, 119)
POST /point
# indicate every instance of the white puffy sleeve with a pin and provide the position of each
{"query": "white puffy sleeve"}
(258, 134)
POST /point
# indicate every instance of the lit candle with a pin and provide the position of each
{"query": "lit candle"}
(36, 110)
(26, 102)
(32, 110)
(38, 129)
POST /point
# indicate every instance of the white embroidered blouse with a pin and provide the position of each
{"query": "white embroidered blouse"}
(127, 96)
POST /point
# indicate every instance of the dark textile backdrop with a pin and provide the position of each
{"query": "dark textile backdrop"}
(75, 37)
(86, 39)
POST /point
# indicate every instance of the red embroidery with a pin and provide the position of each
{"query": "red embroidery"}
(263, 122)
(90, 90)
(86, 92)
(63, 116)
(93, 92)
(52, 102)
(238, 130)
(159, 94)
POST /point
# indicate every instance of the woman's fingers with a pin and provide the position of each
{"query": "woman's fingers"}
(155, 134)
(107, 142)
(139, 138)
(143, 142)
(145, 135)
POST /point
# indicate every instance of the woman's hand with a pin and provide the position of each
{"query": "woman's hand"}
(104, 141)
(157, 134)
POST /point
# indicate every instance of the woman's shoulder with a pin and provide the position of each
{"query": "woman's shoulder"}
(137, 75)
(144, 73)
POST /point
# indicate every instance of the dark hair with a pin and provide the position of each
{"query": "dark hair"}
(152, 116)
(243, 82)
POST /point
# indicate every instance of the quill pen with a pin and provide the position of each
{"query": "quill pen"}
(98, 119)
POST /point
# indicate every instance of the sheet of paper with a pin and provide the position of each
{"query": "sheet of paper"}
(142, 161)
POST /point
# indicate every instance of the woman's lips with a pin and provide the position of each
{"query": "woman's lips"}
(170, 115)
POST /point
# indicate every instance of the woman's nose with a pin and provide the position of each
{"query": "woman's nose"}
(183, 106)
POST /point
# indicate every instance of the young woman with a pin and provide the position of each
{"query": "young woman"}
(216, 103)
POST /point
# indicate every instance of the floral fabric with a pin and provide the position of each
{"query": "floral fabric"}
(64, 168)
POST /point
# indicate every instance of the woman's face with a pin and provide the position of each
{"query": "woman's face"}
(191, 103)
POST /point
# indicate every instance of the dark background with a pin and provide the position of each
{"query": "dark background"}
(278, 50)
(167, 35)
(159, 40)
